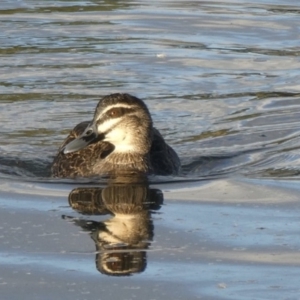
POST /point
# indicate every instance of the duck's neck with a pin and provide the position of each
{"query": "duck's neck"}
(124, 161)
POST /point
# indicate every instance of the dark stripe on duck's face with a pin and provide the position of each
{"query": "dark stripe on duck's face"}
(111, 118)
(115, 112)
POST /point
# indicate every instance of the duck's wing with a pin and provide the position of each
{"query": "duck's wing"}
(75, 132)
(79, 163)
(164, 160)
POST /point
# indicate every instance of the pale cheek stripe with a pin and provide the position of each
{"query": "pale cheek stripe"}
(107, 125)
(113, 106)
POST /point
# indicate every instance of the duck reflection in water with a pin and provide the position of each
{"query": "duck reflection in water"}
(122, 240)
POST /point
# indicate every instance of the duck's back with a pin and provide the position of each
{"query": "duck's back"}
(163, 159)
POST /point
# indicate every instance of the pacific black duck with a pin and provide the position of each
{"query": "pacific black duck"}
(120, 138)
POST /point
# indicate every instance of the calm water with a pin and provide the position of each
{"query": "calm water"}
(221, 79)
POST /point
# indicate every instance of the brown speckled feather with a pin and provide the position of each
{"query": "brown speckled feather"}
(79, 163)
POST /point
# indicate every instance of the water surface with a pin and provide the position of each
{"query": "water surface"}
(221, 79)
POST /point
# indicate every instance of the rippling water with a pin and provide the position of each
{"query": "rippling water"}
(221, 79)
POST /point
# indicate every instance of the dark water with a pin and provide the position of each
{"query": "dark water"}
(221, 80)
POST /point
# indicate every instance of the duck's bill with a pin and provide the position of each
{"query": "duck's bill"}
(89, 136)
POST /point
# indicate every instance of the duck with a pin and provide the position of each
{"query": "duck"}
(120, 139)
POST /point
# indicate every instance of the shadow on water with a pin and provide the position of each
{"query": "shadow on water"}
(272, 157)
(27, 169)
(121, 241)
(198, 168)
(68, 6)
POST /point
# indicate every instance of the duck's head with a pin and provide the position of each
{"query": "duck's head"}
(121, 120)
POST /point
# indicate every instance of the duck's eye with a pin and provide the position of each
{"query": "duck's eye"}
(115, 112)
